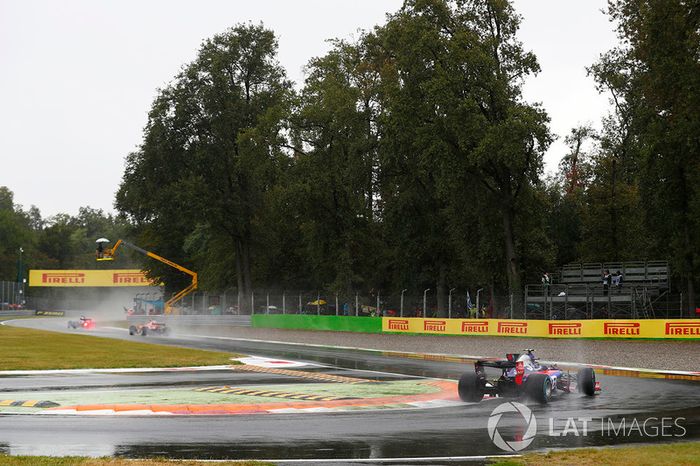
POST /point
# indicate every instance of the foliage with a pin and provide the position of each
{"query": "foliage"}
(212, 150)
(407, 159)
(653, 78)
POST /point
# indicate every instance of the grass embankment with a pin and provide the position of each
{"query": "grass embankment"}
(73, 461)
(677, 454)
(24, 349)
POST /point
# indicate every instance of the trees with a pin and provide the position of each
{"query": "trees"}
(457, 134)
(14, 233)
(334, 182)
(212, 149)
(654, 77)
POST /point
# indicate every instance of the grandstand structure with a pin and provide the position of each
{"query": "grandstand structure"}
(577, 292)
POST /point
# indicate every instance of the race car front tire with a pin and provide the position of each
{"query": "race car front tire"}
(132, 330)
(469, 388)
(144, 331)
(586, 381)
(539, 387)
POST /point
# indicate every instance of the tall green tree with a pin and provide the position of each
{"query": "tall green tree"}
(654, 77)
(455, 122)
(212, 149)
(334, 183)
(15, 233)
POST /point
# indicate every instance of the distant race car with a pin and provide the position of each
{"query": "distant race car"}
(83, 322)
(521, 374)
(151, 326)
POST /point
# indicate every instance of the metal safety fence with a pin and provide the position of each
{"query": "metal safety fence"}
(11, 295)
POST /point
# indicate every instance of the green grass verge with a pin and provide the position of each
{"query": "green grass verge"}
(77, 461)
(35, 349)
(677, 454)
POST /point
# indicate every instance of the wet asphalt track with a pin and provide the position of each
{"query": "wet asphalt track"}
(672, 407)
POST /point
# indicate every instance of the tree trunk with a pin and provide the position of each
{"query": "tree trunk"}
(613, 213)
(512, 269)
(247, 279)
(688, 259)
(244, 301)
(243, 276)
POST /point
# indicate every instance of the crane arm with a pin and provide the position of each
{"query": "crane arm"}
(179, 295)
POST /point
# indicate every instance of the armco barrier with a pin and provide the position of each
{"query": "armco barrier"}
(194, 320)
(315, 322)
(604, 328)
(16, 313)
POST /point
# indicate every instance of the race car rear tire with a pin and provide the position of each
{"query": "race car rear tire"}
(144, 331)
(539, 387)
(165, 332)
(469, 388)
(132, 330)
(586, 381)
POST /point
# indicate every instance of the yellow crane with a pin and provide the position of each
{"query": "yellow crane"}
(107, 254)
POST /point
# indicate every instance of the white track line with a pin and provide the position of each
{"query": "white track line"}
(422, 459)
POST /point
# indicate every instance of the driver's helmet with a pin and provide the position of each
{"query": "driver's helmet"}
(83, 318)
(528, 363)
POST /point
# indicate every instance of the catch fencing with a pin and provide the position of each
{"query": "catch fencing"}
(556, 302)
(11, 296)
(551, 304)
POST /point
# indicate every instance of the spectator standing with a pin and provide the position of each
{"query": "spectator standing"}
(617, 280)
(606, 282)
(546, 282)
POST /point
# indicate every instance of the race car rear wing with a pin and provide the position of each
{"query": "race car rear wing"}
(497, 364)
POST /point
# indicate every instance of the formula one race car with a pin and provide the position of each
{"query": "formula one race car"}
(83, 322)
(521, 374)
(151, 326)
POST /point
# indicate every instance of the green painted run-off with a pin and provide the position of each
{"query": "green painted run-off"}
(311, 322)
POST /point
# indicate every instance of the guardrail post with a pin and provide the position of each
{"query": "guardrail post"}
(401, 311)
(267, 303)
(318, 303)
(478, 295)
(284, 304)
(300, 308)
(357, 304)
(252, 302)
(511, 305)
(425, 301)
(336, 305)
(378, 311)
(589, 305)
(449, 304)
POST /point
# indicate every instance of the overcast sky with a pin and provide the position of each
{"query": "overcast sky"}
(78, 76)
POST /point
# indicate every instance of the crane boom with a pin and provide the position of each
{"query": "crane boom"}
(109, 255)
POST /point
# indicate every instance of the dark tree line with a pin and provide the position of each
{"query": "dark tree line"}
(58, 242)
(409, 158)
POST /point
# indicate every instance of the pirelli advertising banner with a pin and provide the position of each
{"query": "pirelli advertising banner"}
(642, 328)
(83, 278)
